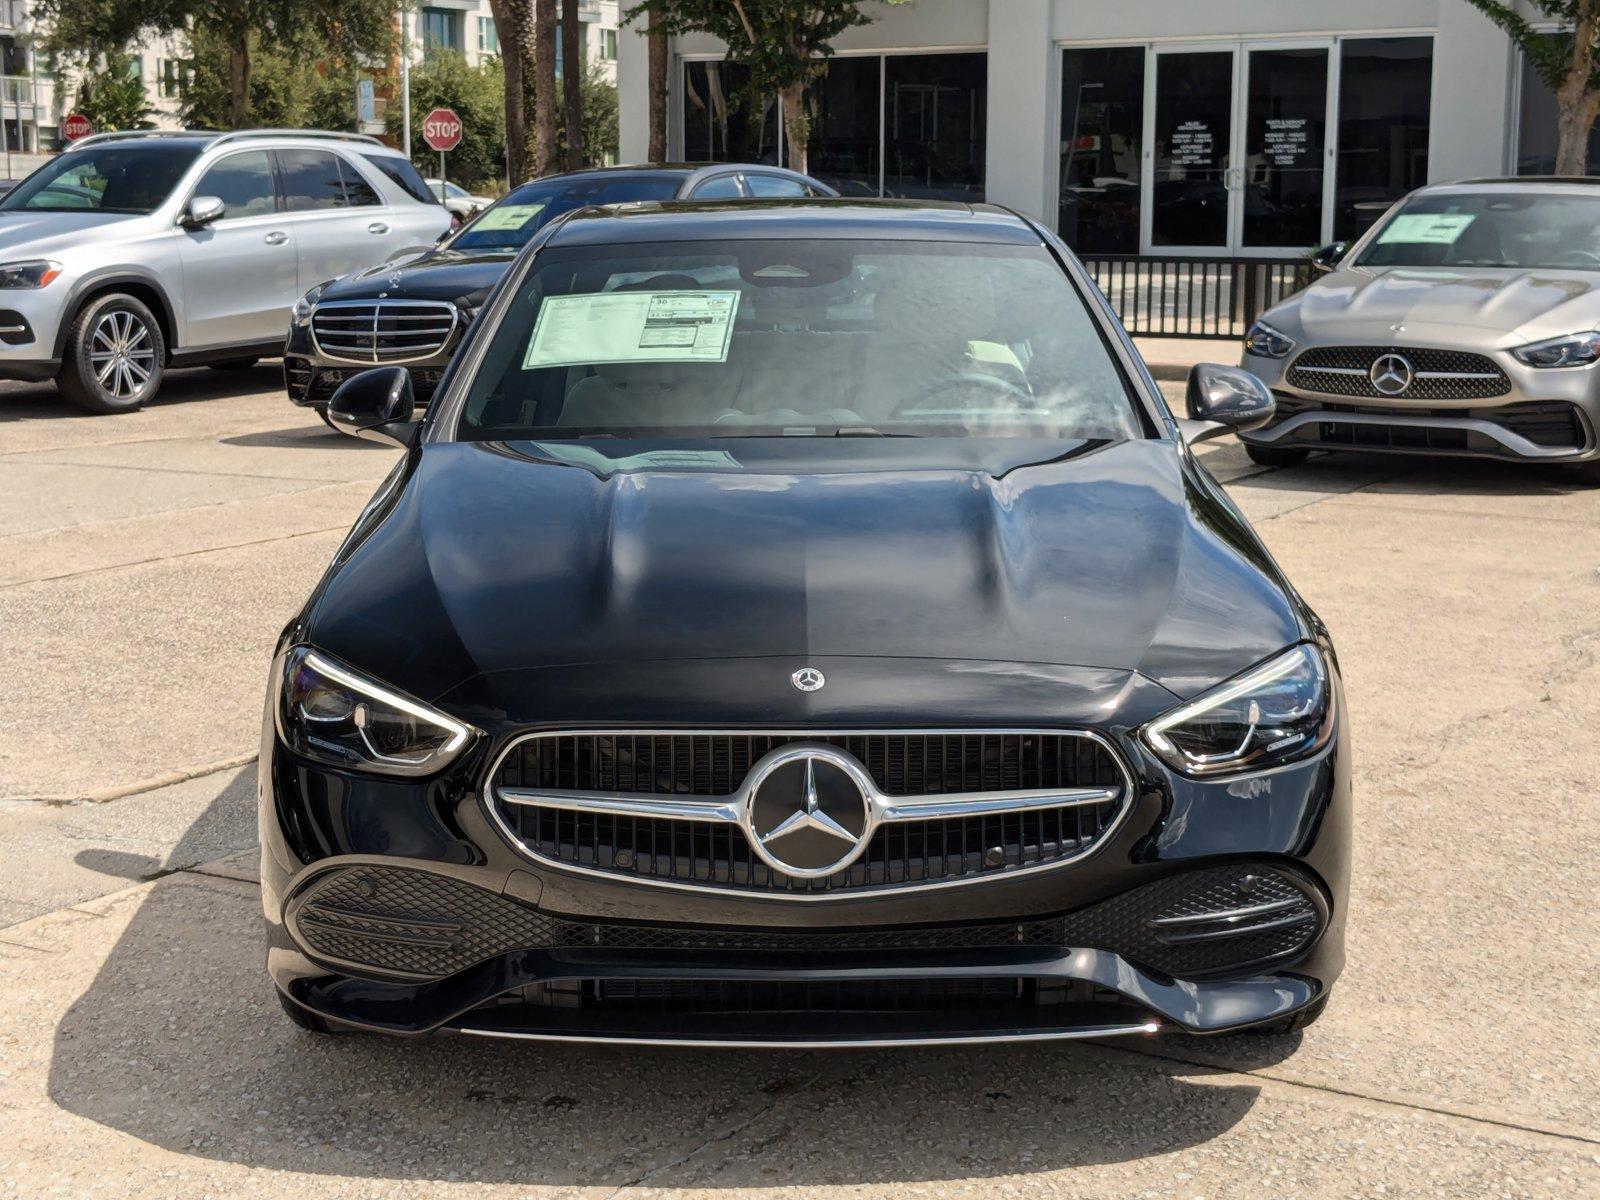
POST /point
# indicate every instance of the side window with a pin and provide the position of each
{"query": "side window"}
(777, 186)
(357, 191)
(723, 187)
(310, 180)
(403, 173)
(244, 183)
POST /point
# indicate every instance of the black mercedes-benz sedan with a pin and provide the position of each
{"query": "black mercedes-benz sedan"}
(416, 310)
(802, 624)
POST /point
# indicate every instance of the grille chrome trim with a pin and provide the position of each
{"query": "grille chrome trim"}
(353, 329)
(723, 810)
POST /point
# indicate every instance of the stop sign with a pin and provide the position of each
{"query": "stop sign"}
(76, 126)
(441, 129)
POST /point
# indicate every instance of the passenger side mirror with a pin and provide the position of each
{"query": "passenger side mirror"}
(202, 210)
(1327, 259)
(1224, 400)
(376, 405)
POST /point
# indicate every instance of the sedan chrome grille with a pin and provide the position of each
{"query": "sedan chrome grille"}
(946, 806)
(382, 331)
(1436, 374)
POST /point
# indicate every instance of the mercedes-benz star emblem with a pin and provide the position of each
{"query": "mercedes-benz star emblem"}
(808, 816)
(808, 679)
(1390, 374)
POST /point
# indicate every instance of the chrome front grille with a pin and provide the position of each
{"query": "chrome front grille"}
(1436, 374)
(382, 331)
(663, 807)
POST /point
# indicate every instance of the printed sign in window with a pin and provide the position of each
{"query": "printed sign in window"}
(632, 327)
(1427, 229)
(507, 216)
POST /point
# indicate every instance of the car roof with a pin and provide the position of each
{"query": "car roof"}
(203, 139)
(1557, 183)
(903, 220)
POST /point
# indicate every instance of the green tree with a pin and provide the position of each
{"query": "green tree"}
(113, 97)
(599, 98)
(477, 94)
(1566, 62)
(785, 44)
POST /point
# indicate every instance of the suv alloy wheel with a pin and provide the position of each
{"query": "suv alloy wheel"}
(115, 355)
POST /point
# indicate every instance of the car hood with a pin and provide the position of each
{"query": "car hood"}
(1492, 307)
(497, 557)
(40, 234)
(436, 275)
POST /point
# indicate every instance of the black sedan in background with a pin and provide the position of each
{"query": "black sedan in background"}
(415, 311)
(802, 623)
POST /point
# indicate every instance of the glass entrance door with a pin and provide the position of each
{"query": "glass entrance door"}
(1285, 165)
(1189, 202)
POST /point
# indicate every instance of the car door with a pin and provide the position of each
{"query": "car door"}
(333, 235)
(241, 272)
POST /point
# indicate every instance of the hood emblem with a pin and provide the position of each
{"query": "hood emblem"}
(808, 679)
(1390, 374)
(808, 815)
(1397, 329)
(395, 281)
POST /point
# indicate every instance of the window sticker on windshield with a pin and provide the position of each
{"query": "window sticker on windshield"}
(508, 216)
(632, 327)
(1427, 229)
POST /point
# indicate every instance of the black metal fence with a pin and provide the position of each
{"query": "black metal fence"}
(1194, 297)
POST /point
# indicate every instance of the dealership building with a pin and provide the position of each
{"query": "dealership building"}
(1156, 128)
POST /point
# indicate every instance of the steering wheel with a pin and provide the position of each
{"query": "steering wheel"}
(998, 388)
(1585, 257)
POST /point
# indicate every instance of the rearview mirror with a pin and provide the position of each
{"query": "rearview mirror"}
(1223, 400)
(202, 210)
(1327, 259)
(376, 405)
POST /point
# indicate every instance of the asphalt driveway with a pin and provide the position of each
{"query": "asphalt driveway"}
(146, 565)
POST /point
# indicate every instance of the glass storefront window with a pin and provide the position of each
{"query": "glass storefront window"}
(722, 120)
(934, 123)
(843, 106)
(1385, 86)
(1536, 128)
(1102, 127)
(1285, 132)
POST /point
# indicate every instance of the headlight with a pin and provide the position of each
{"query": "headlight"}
(1266, 342)
(301, 313)
(1270, 715)
(1573, 350)
(328, 712)
(33, 274)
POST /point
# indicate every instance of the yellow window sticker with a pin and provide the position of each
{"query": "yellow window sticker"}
(507, 216)
(1427, 229)
(632, 327)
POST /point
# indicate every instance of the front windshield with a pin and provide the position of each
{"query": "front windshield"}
(508, 224)
(797, 338)
(1494, 229)
(115, 177)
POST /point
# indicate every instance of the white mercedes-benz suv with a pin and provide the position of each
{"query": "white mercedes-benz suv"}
(134, 252)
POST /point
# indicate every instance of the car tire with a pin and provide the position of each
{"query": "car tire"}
(115, 356)
(1270, 456)
(234, 364)
(303, 1018)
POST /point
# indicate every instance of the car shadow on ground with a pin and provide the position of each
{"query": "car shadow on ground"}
(178, 1042)
(315, 436)
(1394, 474)
(41, 401)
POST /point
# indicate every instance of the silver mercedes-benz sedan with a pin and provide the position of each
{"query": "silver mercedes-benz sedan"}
(1465, 322)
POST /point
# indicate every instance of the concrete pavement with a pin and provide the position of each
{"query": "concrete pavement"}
(146, 564)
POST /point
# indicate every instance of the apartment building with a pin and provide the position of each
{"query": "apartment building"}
(467, 26)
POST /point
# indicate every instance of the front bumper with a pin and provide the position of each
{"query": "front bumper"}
(1543, 416)
(399, 906)
(311, 377)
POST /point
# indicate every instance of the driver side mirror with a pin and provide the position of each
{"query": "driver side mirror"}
(202, 210)
(376, 405)
(1327, 259)
(1225, 400)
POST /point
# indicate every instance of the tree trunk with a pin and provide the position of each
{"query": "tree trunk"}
(658, 89)
(239, 79)
(513, 64)
(1577, 105)
(544, 125)
(572, 81)
(796, 126)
